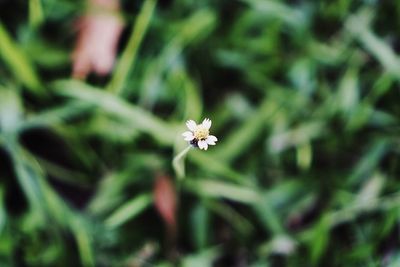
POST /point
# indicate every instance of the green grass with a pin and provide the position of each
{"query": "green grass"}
(303, 97)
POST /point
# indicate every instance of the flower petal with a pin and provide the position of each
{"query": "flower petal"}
(191, 124)
(212, 138)
(206, 123)
(210, 141)
(188, 136)
(202, 144)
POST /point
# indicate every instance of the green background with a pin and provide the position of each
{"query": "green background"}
(304, 99)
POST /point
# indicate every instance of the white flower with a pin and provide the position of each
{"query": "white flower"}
(199, 135)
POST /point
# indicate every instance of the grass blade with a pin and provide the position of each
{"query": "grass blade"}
(18, 62)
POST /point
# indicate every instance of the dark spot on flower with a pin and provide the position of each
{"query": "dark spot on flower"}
(194, 142)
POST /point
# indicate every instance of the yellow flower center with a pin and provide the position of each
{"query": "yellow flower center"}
(201, 133)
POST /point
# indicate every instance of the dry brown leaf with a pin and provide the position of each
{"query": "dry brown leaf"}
(99, 32)
(165, 199)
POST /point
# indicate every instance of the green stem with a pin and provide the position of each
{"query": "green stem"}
(179, 164)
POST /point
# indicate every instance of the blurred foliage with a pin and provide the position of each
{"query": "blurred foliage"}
(303, 96)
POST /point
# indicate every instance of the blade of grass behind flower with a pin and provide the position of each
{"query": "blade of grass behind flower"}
(220, 189)
(358, 25)
(368, 162)
(234, 145)
(56, 116)
(214, 165)
(18, 62)
(204, 258)
(191, 30)
(28, 177)
(294, 17)
(240, 223)
(139, 118)
(129, 210)
(128, 58)
(83, 240)
(45, 202)
(36, 16)
(275, 202)
(3, 214)
(200, 219)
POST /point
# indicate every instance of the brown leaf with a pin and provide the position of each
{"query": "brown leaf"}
(99, 32)
(165, 199)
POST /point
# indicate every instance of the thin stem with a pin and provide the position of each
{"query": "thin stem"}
(179, 164)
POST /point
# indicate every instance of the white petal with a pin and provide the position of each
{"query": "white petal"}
(210, 142)
(206, 123)
(187, 133)
(212, 138)
(188, 136)
(191, 124)
(202, 144)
